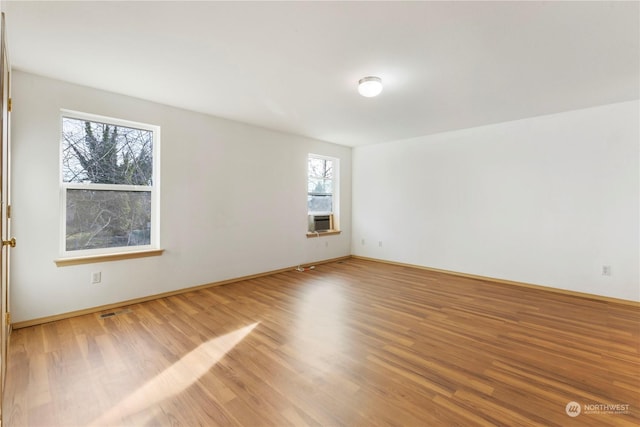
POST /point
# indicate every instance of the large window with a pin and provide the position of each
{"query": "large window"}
(109, 185)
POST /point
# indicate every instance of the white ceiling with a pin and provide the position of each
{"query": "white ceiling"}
(294, 66)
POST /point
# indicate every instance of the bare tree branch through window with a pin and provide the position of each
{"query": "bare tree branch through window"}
(101, 157)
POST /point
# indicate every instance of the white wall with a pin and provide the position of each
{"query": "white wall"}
(233, 201)
(546, 200)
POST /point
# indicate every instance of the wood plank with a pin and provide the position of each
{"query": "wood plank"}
(350, 343)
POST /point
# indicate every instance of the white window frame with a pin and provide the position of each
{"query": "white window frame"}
(154, 188)
(335, 194)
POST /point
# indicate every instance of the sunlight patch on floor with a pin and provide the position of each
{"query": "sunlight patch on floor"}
(176, 378)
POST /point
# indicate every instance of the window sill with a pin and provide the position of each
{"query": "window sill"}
(64, 262)
(311, 234)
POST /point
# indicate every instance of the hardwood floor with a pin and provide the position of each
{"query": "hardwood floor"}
(351, 343)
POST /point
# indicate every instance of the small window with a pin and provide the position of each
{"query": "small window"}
(322, 184)
(109, 185)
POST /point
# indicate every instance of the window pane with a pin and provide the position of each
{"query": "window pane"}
(107, 219)
(317, 203)
(320, 168)
(319, 185)
(104, 153)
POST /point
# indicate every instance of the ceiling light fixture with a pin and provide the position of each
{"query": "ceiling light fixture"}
(370, 86)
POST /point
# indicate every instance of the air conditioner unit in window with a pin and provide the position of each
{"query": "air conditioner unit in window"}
(320, 223)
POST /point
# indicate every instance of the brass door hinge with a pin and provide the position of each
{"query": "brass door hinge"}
(7, 317)
(8, 211)
(9, 105)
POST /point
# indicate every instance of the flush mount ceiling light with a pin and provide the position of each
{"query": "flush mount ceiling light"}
(370, 86)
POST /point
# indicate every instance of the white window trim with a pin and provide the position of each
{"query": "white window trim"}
(336, 188)
(154, 189)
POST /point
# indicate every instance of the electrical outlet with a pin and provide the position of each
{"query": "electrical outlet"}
(362, 242)
(326, 244)
(380, 243)
(96, 277)
(606, 270)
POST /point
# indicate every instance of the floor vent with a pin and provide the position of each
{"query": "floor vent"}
(115, 313)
